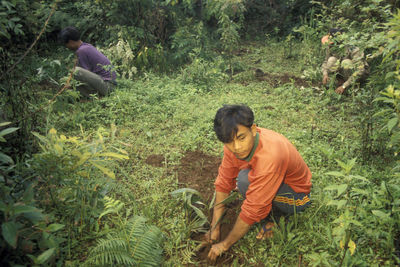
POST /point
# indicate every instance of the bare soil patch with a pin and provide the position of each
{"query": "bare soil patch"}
(280, 79)
(198, 171)
(155, 160)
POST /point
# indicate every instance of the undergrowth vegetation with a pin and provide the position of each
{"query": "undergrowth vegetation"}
(76, 188)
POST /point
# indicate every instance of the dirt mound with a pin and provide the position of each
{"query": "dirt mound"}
(277, 80)
(198, 171)
(155, 160)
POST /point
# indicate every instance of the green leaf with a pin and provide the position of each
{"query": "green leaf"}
(54, 227)
(18, 209)
(337, 174)
(45, 256)
(360, 191)
(4, 123)
(6, 159)
(233, 196)
(358, 177)
(392, 123)
(105, 170)
(381, 214)
(113, 155)
(341, 188)
(8, 131)
(185, 190)
(331, 187)
(35, 217)
(10, 234)
(341, 203)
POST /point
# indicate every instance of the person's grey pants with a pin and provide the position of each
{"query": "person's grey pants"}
(286, 199)
(92, 83)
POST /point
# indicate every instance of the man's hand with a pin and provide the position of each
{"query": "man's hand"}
(339, 90)
(210, 238)
(216, 251)
(325, 79)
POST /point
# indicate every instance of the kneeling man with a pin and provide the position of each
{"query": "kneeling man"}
(267, 169)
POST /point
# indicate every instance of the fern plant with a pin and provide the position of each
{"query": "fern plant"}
(131, 243)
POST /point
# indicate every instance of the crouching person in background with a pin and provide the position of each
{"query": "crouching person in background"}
(347, 65)
(94, 68)
(267, 169)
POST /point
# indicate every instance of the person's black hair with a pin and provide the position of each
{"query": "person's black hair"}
(69, 33)
(228, 118)
(334, 31)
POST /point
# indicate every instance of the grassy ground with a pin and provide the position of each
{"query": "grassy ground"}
(166, 115)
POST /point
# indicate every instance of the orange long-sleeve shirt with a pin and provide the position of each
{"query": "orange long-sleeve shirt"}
(275, 160)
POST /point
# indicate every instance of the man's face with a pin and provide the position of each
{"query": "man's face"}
(243, 142)
(71, 45)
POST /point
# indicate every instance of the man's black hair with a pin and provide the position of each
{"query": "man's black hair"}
(228, 118)
(69, 33)
(334, 31)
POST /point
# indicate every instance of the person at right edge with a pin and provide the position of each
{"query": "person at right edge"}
(266, 168)
(347, 65)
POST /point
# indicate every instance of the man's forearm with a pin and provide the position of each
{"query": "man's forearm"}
(239, 230)
(218, 208)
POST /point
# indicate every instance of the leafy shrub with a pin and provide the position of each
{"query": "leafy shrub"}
(203, 74)
(26, 232)
(74, 176)
(122, 57)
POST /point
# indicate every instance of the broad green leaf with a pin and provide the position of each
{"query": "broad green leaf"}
(332, 187)
(382, 112)
(360, 178)
(6, 159)
(35, 217)
(341, 189)
(199, 212)
(8, 131)
(233, 196)
(40, 137)
(54, 227)
(4, 123)
(113, 155)
(360, 191)
(18, 209)
(45, 256)
(337, 174)
(381, 214)
(392, 123)
(341, 203)
(186, 190)
(105, 170)
(10, 234)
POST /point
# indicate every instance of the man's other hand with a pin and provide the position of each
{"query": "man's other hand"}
(340, 90)
(216, 251)
(325, 79)
(210, 238)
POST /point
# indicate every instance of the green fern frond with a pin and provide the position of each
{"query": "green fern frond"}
(111, 206)
(136, 244)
